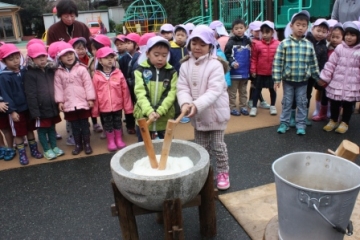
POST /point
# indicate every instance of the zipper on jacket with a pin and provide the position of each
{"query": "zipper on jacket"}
(156, 93)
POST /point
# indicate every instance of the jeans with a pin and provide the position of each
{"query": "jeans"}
(301, 101)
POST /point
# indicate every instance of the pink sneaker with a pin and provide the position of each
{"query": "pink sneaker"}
(223, 181)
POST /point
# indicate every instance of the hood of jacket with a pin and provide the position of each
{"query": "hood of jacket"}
(49, 64)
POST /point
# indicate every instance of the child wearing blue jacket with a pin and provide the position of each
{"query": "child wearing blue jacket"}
(12, 91)
(237, 52)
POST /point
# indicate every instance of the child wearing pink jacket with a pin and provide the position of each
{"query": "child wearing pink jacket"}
(74, 92)
(202, 94)
(112, 96)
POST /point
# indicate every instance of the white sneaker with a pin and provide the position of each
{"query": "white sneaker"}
(253, 112)
(273, 110)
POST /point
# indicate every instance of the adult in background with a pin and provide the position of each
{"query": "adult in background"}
(67, 28)
(346, 10)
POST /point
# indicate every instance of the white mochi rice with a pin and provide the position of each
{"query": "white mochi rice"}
(173, 165)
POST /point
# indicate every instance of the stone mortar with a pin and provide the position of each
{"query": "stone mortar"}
(149, 192)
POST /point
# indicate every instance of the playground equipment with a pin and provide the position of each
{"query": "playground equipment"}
(279, 11)
(144, 16)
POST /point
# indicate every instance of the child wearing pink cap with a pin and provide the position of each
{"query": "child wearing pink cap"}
(119, 42)
(12, 91)
(74, 92)
(79, 44)
(202, 94)
(39, 89)
(128, 65)
(97, 42)
(155, 87)
(112, 97)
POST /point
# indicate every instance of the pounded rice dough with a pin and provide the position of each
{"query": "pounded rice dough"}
(173, 165)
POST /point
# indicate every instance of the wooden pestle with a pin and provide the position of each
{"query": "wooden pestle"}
(170, 126)
(145, 134)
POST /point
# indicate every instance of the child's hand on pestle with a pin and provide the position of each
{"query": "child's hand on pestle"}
(154, 116)
(192, 110)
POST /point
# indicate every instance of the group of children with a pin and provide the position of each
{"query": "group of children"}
(194, 70)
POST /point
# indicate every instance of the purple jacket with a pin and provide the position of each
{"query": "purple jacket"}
(201, 82)
(342, 73)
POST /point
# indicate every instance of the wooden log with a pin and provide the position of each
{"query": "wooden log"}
(207, 213)
(173, 221)
(126, 215)
(144, 130)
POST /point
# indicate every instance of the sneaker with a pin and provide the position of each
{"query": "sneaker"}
(223, 181)
(253, 112)
(235, 112)
(103, 135)
(342, 128)
(185, 120)
(70, 141)
(58, 136)
(58, 151)
(244, 111)
(49, 154)
(283, 128)
(264, 104)
(97, 128)
(300, 131)
(330, 126)
(273, 110)
(250, 104)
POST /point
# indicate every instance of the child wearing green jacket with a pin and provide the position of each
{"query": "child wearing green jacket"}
(155, 87)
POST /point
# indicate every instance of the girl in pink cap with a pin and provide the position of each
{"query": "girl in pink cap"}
(202, 94)
(74, 92)
(12, 91)
(112, 97)
(39, 89)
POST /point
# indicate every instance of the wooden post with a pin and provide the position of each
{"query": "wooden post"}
(126, 215)
(207, 213)
(173, 221)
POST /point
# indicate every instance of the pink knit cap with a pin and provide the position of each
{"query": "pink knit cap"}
(36, 49)
(102, 39)
(65, 49)
(104, 52)
(8, 49)
(145, 37)
(120, 37)
(74, 40)
(134, 37)
(34, 40)
(56, 47)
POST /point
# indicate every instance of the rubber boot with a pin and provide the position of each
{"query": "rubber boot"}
(308, 122)
(9, 154)
(322, 114)
(118, 139)
(317, 109)
(78, 145)
(34, 150)
(87, 147)
(292, 122)
(22, 154)
(111, 146)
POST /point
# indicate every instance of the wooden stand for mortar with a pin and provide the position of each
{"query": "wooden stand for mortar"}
(172, 213)
(347, 150)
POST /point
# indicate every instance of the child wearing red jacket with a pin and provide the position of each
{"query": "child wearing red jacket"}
(262, 57)
(112, 96)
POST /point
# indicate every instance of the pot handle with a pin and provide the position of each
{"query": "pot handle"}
(337, 228)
